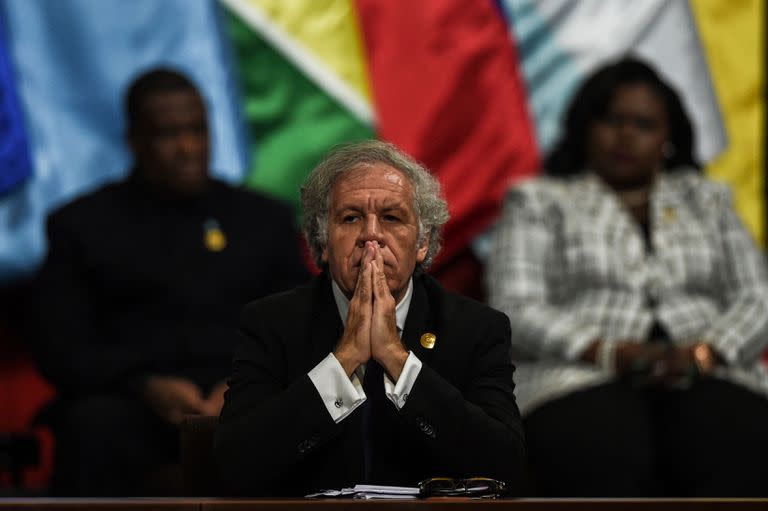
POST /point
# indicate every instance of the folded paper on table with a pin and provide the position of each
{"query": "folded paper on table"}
(369, 492)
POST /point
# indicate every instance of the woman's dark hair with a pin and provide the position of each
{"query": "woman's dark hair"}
(591, 103)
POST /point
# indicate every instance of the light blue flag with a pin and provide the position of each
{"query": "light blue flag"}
(73, 61)
(561, 42)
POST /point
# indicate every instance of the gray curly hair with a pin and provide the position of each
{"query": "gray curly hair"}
(431, 209)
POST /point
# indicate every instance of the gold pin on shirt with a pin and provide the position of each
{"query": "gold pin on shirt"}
(213, 237)
(428, 340)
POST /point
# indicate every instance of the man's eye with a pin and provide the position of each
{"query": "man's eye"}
(391, 218)
(348, 219)
(166, 133)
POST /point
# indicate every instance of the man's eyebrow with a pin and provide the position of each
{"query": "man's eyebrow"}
(390, 206)
(347, 207)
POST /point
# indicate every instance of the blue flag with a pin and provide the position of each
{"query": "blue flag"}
(15, 164)
(73, 60)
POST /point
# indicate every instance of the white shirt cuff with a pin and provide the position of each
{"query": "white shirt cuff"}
(340, 394)
(398, 394)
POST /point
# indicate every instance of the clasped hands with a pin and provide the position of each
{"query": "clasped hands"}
(371, 329)
(653, 363)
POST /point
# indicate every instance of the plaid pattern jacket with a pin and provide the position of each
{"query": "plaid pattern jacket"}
(569, 265)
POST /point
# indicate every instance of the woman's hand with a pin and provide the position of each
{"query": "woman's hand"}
(627, 357)
(697, 359)
(639, 359)
(649, 363)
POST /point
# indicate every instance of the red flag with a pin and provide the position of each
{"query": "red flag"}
(448, 90)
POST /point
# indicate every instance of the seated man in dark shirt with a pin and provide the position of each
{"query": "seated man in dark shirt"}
(373, 372)
(141, 290)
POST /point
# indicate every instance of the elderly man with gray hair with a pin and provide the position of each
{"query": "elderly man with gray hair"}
(372, 372)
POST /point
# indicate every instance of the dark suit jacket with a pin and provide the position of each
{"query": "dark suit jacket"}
(129, 287)
(277, 438)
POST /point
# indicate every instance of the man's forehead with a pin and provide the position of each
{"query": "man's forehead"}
(386, 186)
(374, 176)
(160, 104)
(367, 171)
(377, 203)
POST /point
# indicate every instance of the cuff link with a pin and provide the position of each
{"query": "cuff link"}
(338, 403)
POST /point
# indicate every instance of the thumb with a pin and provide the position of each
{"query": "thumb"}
(212, 407)
(191, 399)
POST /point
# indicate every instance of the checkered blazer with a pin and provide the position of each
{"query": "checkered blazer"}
(569, 265)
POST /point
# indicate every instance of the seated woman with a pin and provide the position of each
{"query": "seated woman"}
(638, 304)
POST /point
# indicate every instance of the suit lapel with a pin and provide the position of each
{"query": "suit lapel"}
(326, 323)
(420, 321)
(609, 220)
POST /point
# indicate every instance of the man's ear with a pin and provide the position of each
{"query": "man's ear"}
(421, 252)
(324, 255)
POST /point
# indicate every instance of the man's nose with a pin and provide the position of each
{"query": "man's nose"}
(190, 143)
(371, 231)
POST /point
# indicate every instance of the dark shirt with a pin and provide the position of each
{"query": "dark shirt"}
(130, 286)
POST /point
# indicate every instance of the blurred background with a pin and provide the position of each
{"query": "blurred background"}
(475, 90)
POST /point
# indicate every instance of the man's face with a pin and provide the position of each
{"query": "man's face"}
(170, 142)
(373, 203)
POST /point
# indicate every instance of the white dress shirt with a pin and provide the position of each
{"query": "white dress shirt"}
(342, 394)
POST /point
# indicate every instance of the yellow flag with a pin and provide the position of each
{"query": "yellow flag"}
(732, 35)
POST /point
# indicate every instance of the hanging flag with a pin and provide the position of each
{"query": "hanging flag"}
(15, 164)
(710, 50)
(561, 42)
(447, 90)
(304, 84)
(73, 61)
(733, 35)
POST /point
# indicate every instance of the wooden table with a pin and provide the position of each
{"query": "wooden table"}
(434, 504)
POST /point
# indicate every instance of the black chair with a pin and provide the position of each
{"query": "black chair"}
(200, 477)
(17, 452)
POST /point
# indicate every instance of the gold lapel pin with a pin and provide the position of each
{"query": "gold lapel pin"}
(669, 213)
(428, 340)
(213, 237)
